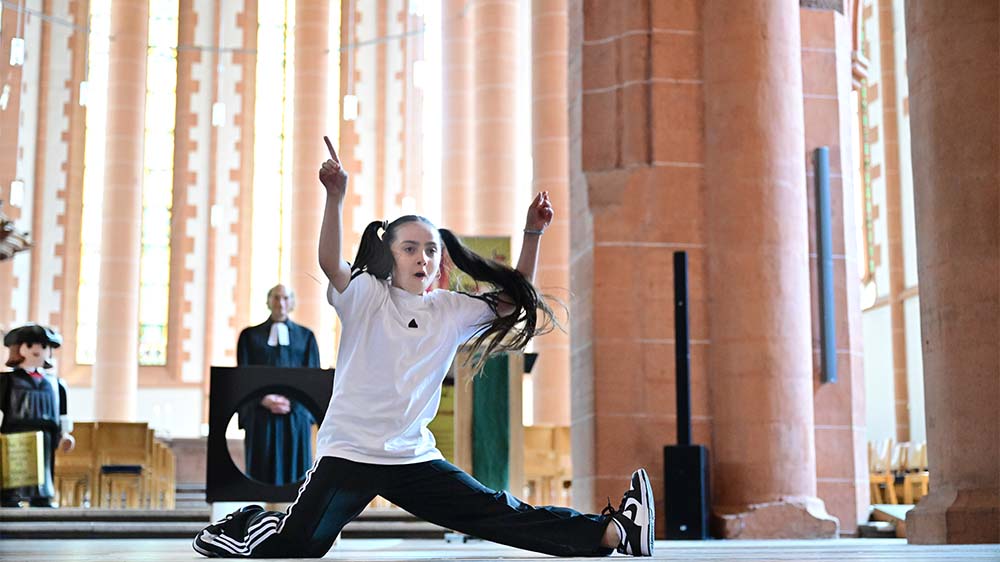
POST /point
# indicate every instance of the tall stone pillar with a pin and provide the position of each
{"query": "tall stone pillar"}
(495, 51)
(764, 459)
(839, 407)
(116, 365)
(954, 119)
(550, 147)
(457, 150)
(309, 151)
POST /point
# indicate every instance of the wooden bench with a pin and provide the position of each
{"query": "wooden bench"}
(73, 474)
(115, 465)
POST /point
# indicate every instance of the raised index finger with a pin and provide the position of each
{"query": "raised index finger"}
(329, 146)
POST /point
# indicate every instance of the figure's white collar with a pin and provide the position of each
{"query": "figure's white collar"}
(278, 335)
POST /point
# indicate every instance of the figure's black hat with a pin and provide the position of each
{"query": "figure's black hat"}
(32, 333)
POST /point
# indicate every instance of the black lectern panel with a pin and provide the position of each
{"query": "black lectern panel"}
(230, 387)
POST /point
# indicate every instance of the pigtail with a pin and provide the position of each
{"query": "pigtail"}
(513, 331)
(373, 256)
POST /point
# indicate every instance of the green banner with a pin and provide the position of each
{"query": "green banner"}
(491, 424)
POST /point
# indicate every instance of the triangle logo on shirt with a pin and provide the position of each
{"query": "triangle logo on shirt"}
(413, 323)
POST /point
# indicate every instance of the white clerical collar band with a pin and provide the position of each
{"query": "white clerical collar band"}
(278, 335)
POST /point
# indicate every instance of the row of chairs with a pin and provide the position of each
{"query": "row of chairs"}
(547, 467)
(116, 465)
(897, 467)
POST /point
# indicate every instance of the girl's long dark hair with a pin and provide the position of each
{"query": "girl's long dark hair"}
(504, 333)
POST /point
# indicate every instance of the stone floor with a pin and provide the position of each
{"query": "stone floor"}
(387, 550)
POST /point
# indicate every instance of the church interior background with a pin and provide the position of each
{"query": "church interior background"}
(158, 165)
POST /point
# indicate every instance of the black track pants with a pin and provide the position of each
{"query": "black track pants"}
(337, 490)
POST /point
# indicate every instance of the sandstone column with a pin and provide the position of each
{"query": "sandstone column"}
(309, 151)
(764, 459)
(954, 116)
(495, 51)
(116, 366)
(550, 133)
(457, 152)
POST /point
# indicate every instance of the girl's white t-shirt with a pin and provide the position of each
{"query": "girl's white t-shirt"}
(387, 385)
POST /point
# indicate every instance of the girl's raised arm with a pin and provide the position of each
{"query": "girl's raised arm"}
(334, 179)
(539, 217)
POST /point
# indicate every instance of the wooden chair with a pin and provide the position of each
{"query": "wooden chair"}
(74, 471)
(880, 476)
(564, 465)
(897, 466)
(900, 458)
(163, 485)
(539, 457)
(123, 460)
(547, 467)
(916, 481)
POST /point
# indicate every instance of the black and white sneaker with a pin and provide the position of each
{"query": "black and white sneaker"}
(635, 518)
(219, 539)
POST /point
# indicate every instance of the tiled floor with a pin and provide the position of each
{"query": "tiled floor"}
(387, 550)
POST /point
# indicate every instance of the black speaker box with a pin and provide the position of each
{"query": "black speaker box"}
(686, 497)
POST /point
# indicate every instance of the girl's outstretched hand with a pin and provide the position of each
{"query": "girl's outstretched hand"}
(332, 174)
(539, 212)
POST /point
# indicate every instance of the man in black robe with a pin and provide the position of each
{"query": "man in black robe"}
(32, 400)
(278, 442)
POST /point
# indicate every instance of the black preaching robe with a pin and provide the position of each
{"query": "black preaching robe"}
(33, 404)
(278, 446)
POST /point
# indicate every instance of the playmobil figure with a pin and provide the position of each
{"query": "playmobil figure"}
(32, 399)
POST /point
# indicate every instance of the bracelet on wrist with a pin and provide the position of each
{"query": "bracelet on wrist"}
(538, 232)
